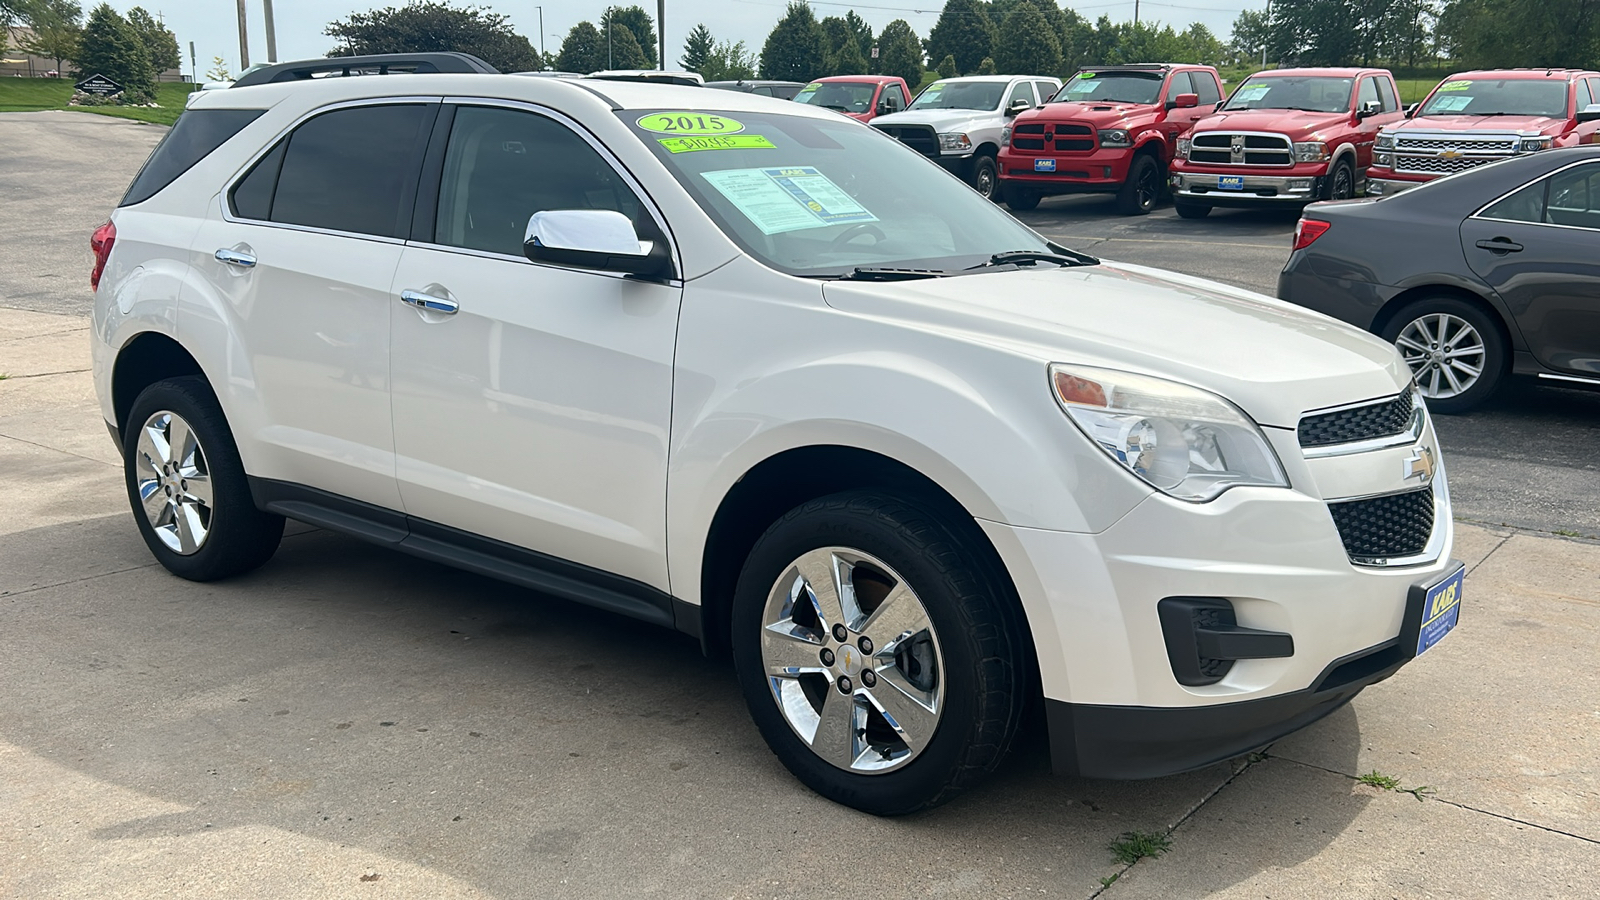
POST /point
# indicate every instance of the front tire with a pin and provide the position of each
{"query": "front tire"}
(1139, 194)
(986, 177)
(1454, 348)
(1342, 182)
(1020, 198)
(878, 653)
(187, 485)
(1191, 210)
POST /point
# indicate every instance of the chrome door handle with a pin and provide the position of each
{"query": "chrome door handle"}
(430, 302)
(235, 258)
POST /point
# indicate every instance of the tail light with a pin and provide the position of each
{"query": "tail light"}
(1308, 230)
(100, 242)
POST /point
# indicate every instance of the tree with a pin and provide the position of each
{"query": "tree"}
(697, 49)
(947, 66)
(797, 49)
(1496, 33)
(161, 44)
(1076, 35)
(111, 47)
(219, 70)
(622, 48)
(583, 50)
(900, 53)
(1027, 45)
(55, 28)
(964, 32)
(730, 61)
(849, 60)
(1251, 33)
(862, 31)
(987, 66)
(1200, 46)
(432, 26)
(643, 27)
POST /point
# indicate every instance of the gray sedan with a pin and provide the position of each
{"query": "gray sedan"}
(1491, 272)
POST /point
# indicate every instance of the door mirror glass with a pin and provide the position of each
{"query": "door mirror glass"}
(1186, 101)
(1589, 113)
(1018, 106)
(591, 239)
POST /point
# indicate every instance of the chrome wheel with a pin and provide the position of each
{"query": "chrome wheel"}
(1445, 352)
(173, 481)
(852, 660)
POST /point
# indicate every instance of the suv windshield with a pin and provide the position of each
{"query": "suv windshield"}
(1112, 87)
(821, 197)
(844, 96)
(1316, 93)
(1498, 97)
(961, 95)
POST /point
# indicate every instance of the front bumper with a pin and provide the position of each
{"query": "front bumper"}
(1388, 187)
(1097, 171)
(1253, 190)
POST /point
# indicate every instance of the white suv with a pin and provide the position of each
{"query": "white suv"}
(746, 369)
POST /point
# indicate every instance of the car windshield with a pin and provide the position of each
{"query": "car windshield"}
(1112, 87)
(961, 95)
(821, 197)
(1316, 93)
(1498, 97)
(845, 96)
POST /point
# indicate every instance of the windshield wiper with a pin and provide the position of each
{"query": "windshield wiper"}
(883, 273)
(1064, 257)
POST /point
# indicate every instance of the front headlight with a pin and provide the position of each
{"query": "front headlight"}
(1115, 137)
(1384, 160)
(1183, 147)
(1310, 151)
(1540, 142)
(954, 142)
(1385, 142)
(1185, 442)
(1005, 135)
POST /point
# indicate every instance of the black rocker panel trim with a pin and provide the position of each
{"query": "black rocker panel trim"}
(485, 556)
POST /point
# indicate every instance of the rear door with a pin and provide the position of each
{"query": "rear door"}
(1540, 249)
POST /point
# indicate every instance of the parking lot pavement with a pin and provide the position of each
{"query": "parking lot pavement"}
(347, 721)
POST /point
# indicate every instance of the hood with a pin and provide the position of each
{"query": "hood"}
(1292, 122)
(942, 120)
(1542, 124)
(1275, 360)
(1104, 114)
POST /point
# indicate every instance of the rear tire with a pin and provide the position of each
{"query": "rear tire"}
(1191, 210)
(986, 178)
(187, 485)
(1020, 198)
(1140, 193)
(1455, 350)
(948, 664)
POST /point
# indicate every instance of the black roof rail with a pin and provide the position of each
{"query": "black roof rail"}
(384, 63)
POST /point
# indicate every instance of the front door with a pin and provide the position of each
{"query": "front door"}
(537, 412)
(1540, 249)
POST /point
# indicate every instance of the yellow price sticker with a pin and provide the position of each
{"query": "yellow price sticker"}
(689, 123)
(1455, 86)
(731, 142)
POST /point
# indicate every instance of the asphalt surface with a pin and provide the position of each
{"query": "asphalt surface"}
(1528, 460)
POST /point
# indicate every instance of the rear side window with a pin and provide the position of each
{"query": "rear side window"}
(1205, 84)
(1386, 90)
(349, 170)
(196, 133)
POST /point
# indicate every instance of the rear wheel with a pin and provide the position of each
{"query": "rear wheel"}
(985, 177)
(1454, 349)
(1020, 198)
(879, 655)
(1140, 192)
(1188, 210)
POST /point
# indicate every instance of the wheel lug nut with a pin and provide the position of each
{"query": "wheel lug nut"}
(868, 678)
(827, 656)
(840, 633)
(865, 644)
(845, 686)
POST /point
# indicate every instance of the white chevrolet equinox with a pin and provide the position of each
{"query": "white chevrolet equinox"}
(757, 372)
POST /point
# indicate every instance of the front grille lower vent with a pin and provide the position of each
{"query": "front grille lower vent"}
(1375, 420)
(1393, 526)
(921, 138)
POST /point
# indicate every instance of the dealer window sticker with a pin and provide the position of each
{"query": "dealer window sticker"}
(1250, 93)
(712, 142)
(796, 198)
(1449, 104)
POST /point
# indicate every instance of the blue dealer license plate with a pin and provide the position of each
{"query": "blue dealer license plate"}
(1441, 610)
(1044, 165)
(1230, 182)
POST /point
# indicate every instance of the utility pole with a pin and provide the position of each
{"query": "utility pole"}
(272, 32)
(244, 40)
(661, 31)
(194, 65)
(1266, 36)
(541, 37)
(1136, 13)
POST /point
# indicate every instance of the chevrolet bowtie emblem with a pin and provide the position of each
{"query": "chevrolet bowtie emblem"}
(1419, 465)
(1452, 153)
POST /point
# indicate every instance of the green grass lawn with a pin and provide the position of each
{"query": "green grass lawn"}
(32, 94)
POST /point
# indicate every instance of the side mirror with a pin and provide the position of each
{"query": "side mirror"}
(883, 108)
(1411, 111)
(1589, 113)
(1018, 106)
(1217, 107)
(1368, 108)
(1184, 101)
(592, 239)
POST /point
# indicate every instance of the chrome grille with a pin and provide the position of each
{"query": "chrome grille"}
(1362, 423)
(1216, 148)
(1446, 154)
(1497, 145)
(1393, 526)
(1435, 165)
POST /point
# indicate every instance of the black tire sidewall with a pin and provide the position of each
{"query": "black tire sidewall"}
(979, 164)
(1021, 199)
(947, 762)
(1128, 196)
(1191, 210)
(1343, 167)
(1496, 355)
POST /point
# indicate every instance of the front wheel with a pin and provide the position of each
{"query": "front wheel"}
(1020, 198)
(1140, 192)
(1454, 349)
(1191, 210)
(985, 177)
(1342, 182)
(878, 653)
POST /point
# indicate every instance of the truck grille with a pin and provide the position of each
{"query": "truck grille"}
(1363, 423)
(921, 138)
(1063, 136)
(1216, 148)
(1393, 526)
(1448, 154)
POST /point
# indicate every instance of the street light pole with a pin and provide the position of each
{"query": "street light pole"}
(244, 40)
(610, 21)
(272, 32)
(661, 31)
(541, 37)
(1266, 36)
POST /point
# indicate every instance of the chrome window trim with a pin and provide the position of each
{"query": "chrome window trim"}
(1527, 184)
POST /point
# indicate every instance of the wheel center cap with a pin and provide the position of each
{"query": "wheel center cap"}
(851, 660)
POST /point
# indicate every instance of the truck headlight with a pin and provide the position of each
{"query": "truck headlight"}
(1385, 160)
(954, 142)
(1185, 442)
(1310, 151)
(1005, 135)
(1115, 137)
(1183, 147)
(1540, 142)
(1384, 142)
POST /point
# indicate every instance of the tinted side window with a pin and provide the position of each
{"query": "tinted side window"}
(196, 133)
(1526, 205)
(1206, 86)
(1391, 102)
(1585, 95)
(252, 196)
(502, 166)
(354, 169)
(1180, 84)
(1022, 90)
(1368, 92)
(905, 100)
(1575, 198)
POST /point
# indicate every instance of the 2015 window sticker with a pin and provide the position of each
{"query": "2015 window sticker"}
(781, 199)
(689, 123)
(712, 142)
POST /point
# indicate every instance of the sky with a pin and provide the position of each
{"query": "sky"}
(213, 24)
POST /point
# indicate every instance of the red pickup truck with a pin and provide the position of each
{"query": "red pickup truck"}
(1285, 137)
(1480, 117)
(1111, 129)
(861, 97)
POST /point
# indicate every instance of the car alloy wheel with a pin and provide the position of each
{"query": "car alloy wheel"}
(1445, 352)
(852, 660)
(1344, 183)
(983, 177)
(173, 479)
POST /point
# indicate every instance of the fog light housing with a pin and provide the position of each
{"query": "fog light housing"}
(1297, 184)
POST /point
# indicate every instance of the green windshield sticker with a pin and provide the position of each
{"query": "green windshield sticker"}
(689, 123)
(1086, 75)
(1258, 84)
(788, 199)
(1455, 86)
(730, 142)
